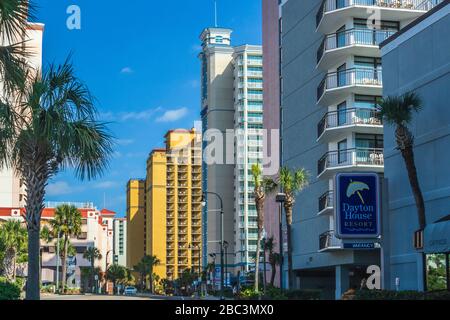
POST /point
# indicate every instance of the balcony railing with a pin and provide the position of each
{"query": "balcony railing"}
(326, 201)
(347, 117)
(366, 37)
(328, 240)
(351, 157)
(331, 5)
(349, 77)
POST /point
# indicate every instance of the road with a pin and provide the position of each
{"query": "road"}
(94, 297)
(114, 298)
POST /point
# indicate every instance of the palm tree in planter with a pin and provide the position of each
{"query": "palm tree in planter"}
(67, 223)
(398, 111)
(54, 128)
(291, 182)
(115, 274)
(262, 186)
(91, 254)
(14, 239)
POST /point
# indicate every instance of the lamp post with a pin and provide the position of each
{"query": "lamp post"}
(264, 260)
(281, 198)
(221, 238)
(225, 246)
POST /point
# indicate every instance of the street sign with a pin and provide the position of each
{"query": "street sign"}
(357, 214)
(359, 245)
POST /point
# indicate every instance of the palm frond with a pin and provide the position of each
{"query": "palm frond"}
(398, 110)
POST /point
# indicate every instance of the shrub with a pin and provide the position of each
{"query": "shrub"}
(248, 294)
(304, 294)
(8, 290)
(273, 293)
(401, 295)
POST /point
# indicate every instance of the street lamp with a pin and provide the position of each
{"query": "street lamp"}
(225, 246)
(281, 198)
(264, 240)
(221, 238)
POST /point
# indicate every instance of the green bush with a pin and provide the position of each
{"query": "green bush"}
(273, 293)
(401, 295)
(248, 294)
(8, 290)
(304, 294)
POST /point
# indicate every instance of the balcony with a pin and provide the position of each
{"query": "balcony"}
(356, 42)
(326, 203)
(332, 13)
(329, 242)
(336, 86)
(358, 159)
(337, 124)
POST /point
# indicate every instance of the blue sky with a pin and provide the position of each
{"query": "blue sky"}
(139, 60)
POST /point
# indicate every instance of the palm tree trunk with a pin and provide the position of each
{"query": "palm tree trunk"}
(64, 266)
(92, 276)
(14, 265)
(408, 156)
(258, 253)
(274, 272)
(151, 283)
(32, 286)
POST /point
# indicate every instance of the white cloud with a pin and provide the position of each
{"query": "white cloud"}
(124, 142)
(59, 188)
(106, 185)
(138, 115)
(126, 70)
(173, 115)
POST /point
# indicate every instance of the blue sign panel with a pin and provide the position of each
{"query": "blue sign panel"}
(359, 246)
(357, 206)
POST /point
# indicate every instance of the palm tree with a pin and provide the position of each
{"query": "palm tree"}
(145, 268)
(14, 15)
(14, 239)
(67, 223)
(262, 186)
(91, 254)
(59, 130)
(398, 111)
(116, 273)
(274, 258)
(291, 182)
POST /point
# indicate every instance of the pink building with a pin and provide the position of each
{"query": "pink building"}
(96, 231)
(271, 53)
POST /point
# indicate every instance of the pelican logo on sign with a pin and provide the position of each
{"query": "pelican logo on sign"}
(357, 206)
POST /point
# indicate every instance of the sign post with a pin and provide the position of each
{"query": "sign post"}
(357, 206)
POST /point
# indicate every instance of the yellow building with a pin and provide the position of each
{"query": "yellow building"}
(135, 221)
(173, 208)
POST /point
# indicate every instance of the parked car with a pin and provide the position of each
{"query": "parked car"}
(130, 291)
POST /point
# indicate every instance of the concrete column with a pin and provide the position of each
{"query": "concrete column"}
(342, 281)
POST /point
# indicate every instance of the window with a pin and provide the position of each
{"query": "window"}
(219, 39)
(342, 114)
(369, 141)
(342, 151)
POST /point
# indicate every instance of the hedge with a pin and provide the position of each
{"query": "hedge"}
(8, 290)
(400, 295)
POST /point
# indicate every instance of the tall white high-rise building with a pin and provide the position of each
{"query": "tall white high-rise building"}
(12, 191)
(248, 123)
(232, 93)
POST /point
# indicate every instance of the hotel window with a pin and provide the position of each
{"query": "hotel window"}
(219, 39)
(342, 151)
(369, 141)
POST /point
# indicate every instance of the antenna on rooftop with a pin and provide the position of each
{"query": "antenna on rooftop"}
(215, 13)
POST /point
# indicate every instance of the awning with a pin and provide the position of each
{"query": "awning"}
(437, 236)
